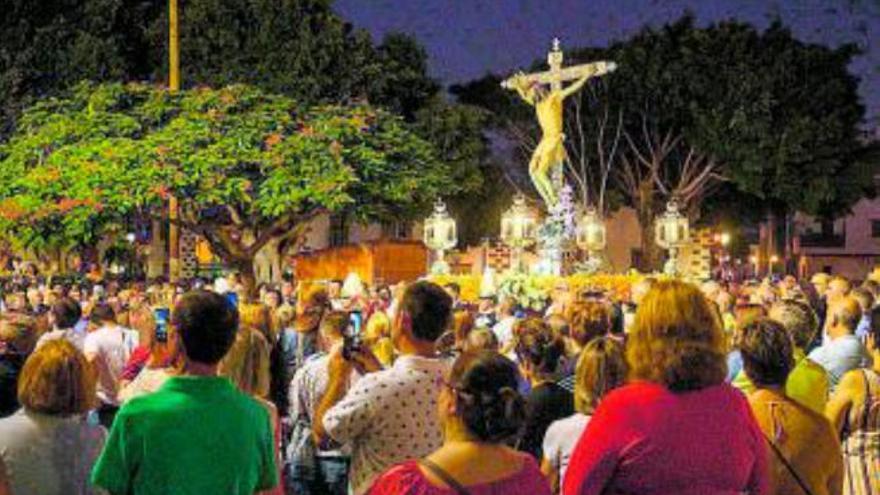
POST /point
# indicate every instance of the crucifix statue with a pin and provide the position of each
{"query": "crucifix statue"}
(549, 156)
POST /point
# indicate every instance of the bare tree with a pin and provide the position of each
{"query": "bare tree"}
(658, 167)
(593, 147)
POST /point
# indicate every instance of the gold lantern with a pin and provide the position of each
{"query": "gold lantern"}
(591, 233)
(518, 226)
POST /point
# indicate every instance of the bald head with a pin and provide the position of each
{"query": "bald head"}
(843, 317)
(838, 288)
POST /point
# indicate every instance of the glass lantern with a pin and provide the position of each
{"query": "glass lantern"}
(440, 235)
(672, 232)
(518, 227)
(591, 233)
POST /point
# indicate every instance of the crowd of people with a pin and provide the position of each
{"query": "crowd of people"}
(329, 388)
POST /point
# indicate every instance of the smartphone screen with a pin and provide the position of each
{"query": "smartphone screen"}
(355, 322)
(232, 299)
(162, 315)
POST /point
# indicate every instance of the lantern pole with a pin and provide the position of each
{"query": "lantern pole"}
(173, 87)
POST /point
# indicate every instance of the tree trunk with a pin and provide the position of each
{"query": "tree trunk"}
(651, 255)
(645, 209)
(245, 268)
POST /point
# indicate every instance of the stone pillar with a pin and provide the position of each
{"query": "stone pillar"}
(189, 263)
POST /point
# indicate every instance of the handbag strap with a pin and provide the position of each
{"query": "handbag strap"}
(443, 475)
(788, 466)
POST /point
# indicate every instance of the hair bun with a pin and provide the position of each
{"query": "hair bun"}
(494, 416)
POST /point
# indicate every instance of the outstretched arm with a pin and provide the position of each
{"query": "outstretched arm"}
(592, 70)
(519, 82)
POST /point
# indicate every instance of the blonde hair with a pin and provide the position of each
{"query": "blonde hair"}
(601, 368)
(677, 339)
(247, 363)
(56, 379)
(257, 317)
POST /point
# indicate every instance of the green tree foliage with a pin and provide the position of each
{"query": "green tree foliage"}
(247, 166)
(456, 130)
(779, 115)
(50, 44)
(297, 48)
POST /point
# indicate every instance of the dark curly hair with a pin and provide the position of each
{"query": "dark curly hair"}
(767, 352)
(485, 385)
(538, 346)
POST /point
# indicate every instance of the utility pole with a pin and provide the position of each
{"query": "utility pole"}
(173, 87)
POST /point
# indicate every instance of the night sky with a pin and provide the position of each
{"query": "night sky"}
(467, 38)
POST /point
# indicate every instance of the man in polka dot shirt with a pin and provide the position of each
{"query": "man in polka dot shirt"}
(389, 415)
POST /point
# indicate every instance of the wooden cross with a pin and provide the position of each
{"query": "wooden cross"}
(558, 75)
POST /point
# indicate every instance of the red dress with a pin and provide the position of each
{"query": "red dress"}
(645, 439)
(407, 479)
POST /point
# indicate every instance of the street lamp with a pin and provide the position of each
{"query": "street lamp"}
(754, 261)
(672, 232)
(518, 225)
(440, 235)
(773, 260)
(591, 233)
(132, 253)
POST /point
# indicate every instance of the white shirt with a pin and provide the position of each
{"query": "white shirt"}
(560, 440)
(110, 346)
(308, 386)
(49, 455)
(388, 417)
(71, 335)
(840, 355)
(503, 331)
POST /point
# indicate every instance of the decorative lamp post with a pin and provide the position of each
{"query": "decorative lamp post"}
(672, 232)
(518, 225)
(440, 235)
(591, 233)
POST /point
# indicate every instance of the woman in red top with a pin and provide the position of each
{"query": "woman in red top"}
(479, 410)
(677, 427)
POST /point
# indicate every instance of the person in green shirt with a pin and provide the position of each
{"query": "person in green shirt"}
(808, 381)
(197, 434)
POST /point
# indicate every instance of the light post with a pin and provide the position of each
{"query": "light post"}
(518, 225)
(672, 232)
(440, 235)
(773, 260)
(132, 254)
(591, 234)
(754, 261)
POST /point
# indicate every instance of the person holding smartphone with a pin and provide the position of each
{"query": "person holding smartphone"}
(162, 363)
